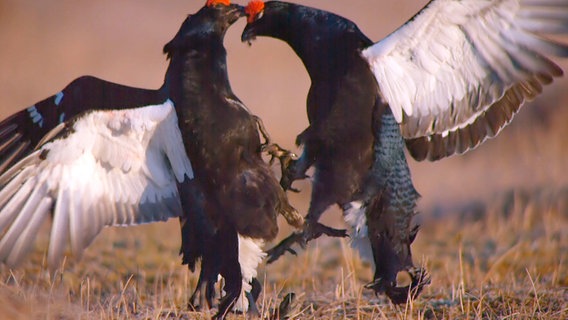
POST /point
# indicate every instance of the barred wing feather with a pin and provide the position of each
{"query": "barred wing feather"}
(107, 168)
(457, 72)
(21, 133)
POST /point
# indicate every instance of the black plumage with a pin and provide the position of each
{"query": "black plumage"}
(357, 152)
(231, 194)
(451, 77)
(240, 194)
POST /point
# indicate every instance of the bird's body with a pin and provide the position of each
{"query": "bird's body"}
(241, 197)
(140, 151)
(343, 141)
(225, 146)
(449, 78)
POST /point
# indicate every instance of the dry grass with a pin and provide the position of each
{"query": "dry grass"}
(501, 259)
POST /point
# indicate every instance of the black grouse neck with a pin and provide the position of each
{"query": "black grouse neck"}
(198, 72)
(321, 39)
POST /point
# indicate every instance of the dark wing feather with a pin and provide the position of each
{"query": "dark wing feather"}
(21, 132)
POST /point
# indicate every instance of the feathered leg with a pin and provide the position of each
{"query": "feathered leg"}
(273, 149)
(198, 243)
(389, 216)
(230, 270)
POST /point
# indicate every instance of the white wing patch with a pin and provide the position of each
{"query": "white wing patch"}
(455, 60)
(354, 216)
(114, 168)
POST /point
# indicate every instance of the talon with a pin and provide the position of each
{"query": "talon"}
(311, 231)
(193, 308)
(271, 161)
(289, 175)
(314, 231)
(263, 131)
(374, 284)
(399, 293)
(284, 308)
(292, 251)
(285, 246)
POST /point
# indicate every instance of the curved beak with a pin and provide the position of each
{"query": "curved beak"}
(249, 34)
(236, 11)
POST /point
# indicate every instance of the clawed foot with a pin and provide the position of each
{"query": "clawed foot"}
(225, 305)
(203, 294)
(314, 231)
(399, 293)
(287, 160)
(285, 246)
(290, 173)
(311, 231)
(285, 157)
(284, 308)
(275, 151)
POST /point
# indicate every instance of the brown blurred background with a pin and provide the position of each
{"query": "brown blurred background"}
(46, 44)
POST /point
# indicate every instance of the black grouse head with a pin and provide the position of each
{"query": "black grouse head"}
(300, 26)
(209, 23)
(266, 19)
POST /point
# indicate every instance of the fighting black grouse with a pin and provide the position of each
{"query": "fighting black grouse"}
(452, 76)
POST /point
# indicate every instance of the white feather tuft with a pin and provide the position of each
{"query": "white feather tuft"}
(250, 256)
(354, 216)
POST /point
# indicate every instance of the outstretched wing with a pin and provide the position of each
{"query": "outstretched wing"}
(457, 72)
(118, 167)
(21, 132)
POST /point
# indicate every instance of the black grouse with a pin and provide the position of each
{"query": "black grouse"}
(451, 77)
(100, 154)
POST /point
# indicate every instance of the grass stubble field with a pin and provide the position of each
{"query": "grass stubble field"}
(497, 260)
(494, 222)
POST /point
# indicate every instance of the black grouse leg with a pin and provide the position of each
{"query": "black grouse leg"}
(205, 289)
(273, 149)
(230, 270)
(295, 169)
(198, 236)
(252, 296)
(312, 230)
